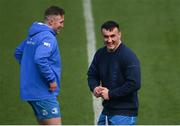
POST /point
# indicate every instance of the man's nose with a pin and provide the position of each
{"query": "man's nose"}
(109, 39)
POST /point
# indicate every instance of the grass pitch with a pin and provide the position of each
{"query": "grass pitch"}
(149, 27)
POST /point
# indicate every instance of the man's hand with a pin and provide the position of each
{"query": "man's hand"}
(52, 86)
(97, 91)
(104, 93)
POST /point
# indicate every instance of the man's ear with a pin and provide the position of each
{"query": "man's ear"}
(50, 21)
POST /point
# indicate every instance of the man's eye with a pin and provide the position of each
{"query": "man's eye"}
(112, 36)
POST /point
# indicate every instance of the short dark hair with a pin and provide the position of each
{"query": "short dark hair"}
(53, 10)
(110, 25)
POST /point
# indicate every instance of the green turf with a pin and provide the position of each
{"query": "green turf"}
(151, 28)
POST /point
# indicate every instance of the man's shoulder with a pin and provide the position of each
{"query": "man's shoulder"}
(101, 50)
(47, 34)
(126, 50)
(127, 54)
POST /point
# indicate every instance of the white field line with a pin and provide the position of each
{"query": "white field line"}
(91, 48)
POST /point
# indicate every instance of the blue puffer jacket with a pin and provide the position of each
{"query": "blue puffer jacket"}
(39, 58)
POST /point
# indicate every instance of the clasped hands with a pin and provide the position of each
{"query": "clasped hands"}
(101, 92)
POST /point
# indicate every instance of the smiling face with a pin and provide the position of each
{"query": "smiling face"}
(54, 18)
(56, 22)
(111, 38)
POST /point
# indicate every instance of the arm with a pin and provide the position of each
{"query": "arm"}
(19, 52)
(93, 76)
(42, 54)
(132, 78)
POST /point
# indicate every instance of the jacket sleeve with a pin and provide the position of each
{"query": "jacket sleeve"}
(19, 52)
(132, 78)
(93, 74)
(42, 54)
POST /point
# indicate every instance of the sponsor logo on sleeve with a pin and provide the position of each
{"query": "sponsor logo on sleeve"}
(47, 44)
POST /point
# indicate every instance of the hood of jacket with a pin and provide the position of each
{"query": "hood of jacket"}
(38, 27)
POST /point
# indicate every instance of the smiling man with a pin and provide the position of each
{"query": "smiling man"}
(40, 62)
(114, 75)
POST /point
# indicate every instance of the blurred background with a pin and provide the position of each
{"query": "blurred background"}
(151, 28)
